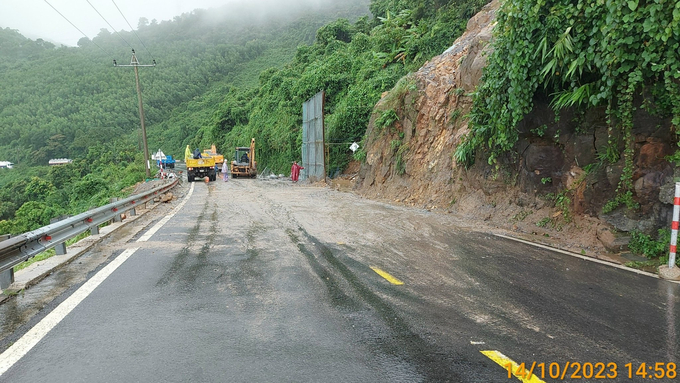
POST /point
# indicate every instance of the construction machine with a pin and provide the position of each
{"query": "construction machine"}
(199, 167)
(244, 164)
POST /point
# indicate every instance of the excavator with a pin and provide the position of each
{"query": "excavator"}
(244, 164)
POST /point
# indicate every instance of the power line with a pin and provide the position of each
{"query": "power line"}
(74, 26)
(107, 22)
(133, 30)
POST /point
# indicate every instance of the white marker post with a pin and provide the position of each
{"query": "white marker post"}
(674, 226)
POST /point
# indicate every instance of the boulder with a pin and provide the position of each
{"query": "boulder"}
(613, 242)
(167, 197)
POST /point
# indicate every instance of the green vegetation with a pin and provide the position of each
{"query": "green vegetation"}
(655, 249)
(71, 102)
(386, 119)
(578, 54)
(354, 64)
(544, 222)
(522, 215)
(218, 81)
(30, 197)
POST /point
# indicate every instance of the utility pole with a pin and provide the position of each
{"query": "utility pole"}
(135, 64)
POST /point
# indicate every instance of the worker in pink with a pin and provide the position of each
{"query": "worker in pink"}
(295, 171)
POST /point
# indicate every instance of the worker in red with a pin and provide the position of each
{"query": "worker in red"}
(295, 171)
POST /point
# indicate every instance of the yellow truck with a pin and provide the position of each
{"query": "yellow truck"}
(199, 167)
(212, 152)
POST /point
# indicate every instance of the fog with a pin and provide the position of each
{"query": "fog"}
(37, 19)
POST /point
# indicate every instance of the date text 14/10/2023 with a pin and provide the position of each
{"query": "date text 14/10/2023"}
(598, 370)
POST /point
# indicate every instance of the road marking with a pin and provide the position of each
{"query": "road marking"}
(387, 276)
(165, 220)
(34, 335)
(476, 342)
(503, 361)
(585, 258)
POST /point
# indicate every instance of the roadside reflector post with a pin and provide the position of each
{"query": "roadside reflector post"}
(674, 226)
(670, 271)
(117, 217)
(60, 248)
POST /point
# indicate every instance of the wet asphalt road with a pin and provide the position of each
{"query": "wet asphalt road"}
(263, 281)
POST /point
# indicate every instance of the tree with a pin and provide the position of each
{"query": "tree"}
(33, 215)
(83, 42)
(142, 23)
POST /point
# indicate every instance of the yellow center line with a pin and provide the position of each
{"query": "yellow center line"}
(387, 276)
(519, 373)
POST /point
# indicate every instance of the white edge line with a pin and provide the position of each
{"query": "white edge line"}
(600, 261)
(34, 335)
(163, 221)
(21, 347)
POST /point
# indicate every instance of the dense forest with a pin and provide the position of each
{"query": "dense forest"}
(221, 77)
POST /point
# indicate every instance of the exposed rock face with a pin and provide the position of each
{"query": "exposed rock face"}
(412, 161)
(431, 123)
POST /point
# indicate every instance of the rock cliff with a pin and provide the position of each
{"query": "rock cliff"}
(553, 186)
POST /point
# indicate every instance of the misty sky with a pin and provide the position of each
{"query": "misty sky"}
(36, 19)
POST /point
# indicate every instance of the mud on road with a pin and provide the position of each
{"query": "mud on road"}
(264, 243)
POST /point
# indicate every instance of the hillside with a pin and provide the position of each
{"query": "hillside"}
(71, 102)
(354, 63)
(572, 174)
(222, 77)
(54, 98)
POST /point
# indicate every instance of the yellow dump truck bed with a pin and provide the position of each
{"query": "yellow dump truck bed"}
(212, 152)
(200, 163)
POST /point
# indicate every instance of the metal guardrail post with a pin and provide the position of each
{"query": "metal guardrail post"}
(7, 276)
(60, 248)
(117, 217)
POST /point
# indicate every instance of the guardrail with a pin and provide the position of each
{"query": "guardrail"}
(24, 246)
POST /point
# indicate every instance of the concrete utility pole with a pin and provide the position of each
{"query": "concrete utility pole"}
(135, 64)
